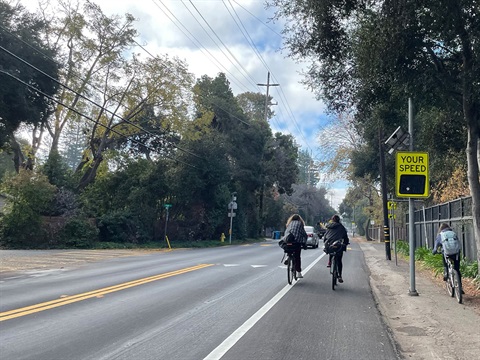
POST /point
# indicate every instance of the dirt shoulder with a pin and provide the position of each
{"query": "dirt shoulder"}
(14, 261)
(429, 326)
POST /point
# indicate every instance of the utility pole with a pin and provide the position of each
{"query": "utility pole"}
(386, 229)
(260, 205)
(266, 97)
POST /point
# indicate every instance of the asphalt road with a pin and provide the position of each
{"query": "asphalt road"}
(229, 303)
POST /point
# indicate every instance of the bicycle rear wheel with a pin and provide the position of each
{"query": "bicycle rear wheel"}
(289, 270)
(294, 266)
(334, 272)
(449, 284)
(457, 286)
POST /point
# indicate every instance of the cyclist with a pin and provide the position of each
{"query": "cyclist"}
(336, 231)
(439, 244)
(296, 227)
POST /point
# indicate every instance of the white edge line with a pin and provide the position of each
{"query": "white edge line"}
(228, 343)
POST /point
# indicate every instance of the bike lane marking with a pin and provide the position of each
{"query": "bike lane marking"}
(64, 300)
(228, 343)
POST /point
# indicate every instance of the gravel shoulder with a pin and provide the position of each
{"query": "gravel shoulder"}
(429, 326)
(19, 261)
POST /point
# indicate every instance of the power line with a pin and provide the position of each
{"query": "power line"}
(274, 31)
(197, 43)
(91, 101)
(219, 39)
(88, 117)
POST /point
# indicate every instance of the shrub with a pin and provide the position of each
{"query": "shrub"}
(118, 227)
(422, 253)
(435, 262)
(402, 247)
(469, 269)
(79, 233)
(29, 196)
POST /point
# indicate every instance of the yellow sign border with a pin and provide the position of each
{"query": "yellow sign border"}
(398, 173)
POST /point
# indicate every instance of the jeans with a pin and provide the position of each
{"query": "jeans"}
(339, 262)
(296, 256)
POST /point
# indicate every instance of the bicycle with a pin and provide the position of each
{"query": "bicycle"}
(334, 249)
(290, 262)
(453, 283)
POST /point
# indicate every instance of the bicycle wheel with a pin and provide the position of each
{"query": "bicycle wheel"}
(294, 266)
(289, 270)
(449, 284)
(334, 272)
(457, 286)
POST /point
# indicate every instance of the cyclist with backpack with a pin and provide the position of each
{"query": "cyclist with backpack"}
(336, 231)
(296, 234)
(447, 240)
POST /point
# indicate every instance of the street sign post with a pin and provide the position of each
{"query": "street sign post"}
(232, 205)
(167, 207)
(411, 174)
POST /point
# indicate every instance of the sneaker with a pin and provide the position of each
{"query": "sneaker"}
(340, 280)
(299, 275)
(329, 264)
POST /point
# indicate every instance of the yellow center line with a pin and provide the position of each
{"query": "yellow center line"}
(11, 314)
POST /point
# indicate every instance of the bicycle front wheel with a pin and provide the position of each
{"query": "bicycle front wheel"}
(457, 286)
(449, 284)
(289, 270)
(334, 272)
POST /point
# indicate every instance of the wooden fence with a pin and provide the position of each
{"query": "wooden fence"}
(456, 213)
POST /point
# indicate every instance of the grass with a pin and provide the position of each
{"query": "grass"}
(175, 244)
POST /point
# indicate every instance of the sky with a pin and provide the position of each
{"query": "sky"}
(238, 38)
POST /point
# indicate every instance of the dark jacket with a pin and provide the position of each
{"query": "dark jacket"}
(336, 231)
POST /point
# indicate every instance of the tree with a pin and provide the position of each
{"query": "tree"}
(308, 173)
(311, 203)
(426, 50)
(91, 46)
(253, 105)
(153, 107)
(337, 141)
(24, 90)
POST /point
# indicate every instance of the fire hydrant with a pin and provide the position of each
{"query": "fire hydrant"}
(222, 237)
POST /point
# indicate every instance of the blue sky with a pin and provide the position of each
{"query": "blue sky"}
(237, 38)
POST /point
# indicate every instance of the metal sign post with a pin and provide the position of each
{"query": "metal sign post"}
(411, 212)
(166, 206)
(391, 207)
(232, 205)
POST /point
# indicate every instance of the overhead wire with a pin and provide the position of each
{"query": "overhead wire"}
(219, 39)
(81, 95)
(260, 57)
(252, 43)
(249, 40)
(88, 117)
(91, 101)
(273, 30)
(197, 42)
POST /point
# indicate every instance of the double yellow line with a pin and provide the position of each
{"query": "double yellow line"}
(11, 314)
